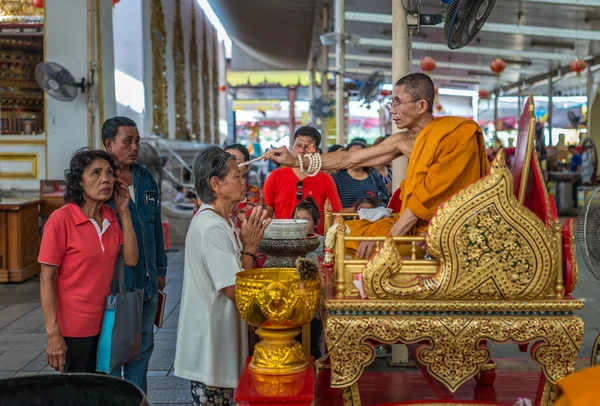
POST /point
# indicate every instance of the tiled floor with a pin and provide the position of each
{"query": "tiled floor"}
(23, 339)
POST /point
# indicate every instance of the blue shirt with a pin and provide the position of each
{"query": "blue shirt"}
(575, 162)
(145, 216)
(351, 190)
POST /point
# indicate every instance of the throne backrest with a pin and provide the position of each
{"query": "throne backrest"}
(528, 182)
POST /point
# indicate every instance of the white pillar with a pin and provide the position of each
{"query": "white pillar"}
(66, 44)
(105, 83)
(400, 68)
(340, 54)
(550, 108)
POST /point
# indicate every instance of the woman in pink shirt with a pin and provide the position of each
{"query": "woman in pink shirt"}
(79, 248)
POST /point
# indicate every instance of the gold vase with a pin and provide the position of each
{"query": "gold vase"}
(277, 302)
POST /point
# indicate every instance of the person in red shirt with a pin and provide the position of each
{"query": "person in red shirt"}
(286, 187)
(79, 248)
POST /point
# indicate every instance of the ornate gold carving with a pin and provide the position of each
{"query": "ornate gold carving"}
(179, 64)
(528, 308)
(574, 265)
(278, 302)
(160, 123)
(215, 86)
(206, 134)
(351, 395)
(451, 347)
(491, 246)
(12, 11)
(194, 79)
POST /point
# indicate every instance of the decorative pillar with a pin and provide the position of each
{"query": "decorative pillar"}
(215, 88)
(340, 55)
(292, 100)
(206, 124)
(590, 98)
(550, 108)
(179, 65)
(194, 79)
(400, 68)
(324, 84)
(160, 124)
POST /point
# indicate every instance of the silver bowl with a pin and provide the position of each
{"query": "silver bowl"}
(286, 229)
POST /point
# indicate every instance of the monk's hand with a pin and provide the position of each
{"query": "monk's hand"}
(283, 157)
(365, 248)
(423, 245)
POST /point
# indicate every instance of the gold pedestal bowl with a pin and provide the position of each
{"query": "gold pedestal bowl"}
(277, 302)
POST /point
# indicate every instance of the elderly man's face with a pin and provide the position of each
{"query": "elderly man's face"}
(406, 110)
(125, 146)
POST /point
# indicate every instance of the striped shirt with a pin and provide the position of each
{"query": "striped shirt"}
(351, 190)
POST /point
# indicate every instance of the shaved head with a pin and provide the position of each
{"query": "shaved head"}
(420, 87)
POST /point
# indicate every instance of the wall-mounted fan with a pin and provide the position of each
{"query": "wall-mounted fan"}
(58, 82)
(322, 109)
(370, 88)
(462, 20)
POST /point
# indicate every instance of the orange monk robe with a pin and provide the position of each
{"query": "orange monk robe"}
(580, 389)
(449, 154)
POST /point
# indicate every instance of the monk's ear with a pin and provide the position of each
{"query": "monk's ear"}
(423, 106)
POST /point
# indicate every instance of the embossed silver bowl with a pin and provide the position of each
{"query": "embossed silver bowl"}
(286, 229)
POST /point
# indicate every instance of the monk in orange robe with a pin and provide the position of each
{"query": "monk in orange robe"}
(580, 389)
(446, 155)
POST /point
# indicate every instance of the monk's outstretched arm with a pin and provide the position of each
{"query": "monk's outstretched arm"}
(381, 154)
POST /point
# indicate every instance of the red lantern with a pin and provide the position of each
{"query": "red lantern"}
(484, 94)
(385, 93)
(439, 108)
(428, 64)
(222, 88)
(38, 3)
(497, 66)
(115, 2)
(577, 66)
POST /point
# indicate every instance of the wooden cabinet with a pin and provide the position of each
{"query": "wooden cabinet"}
(19, 239)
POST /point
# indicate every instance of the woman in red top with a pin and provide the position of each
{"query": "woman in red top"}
(79, 248)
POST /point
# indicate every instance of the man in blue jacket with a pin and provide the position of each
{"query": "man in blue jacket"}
(122, 140)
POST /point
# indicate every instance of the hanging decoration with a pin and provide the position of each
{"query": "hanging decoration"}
(115, 2)
(160, 124)
(206, 121)
(222, 88)
(439, 108)
(497, 66)
(428, 64)
(385, 93)
(215, 87)
(577, 66)
(38, 3)
(194, 79)
(484, 94)
(436, 90)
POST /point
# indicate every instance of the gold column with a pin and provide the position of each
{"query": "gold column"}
(194, 79)
(206, 134)
(159, 70)
(215, 89)
(179, 63)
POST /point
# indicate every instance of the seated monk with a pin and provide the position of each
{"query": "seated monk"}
(446, 155)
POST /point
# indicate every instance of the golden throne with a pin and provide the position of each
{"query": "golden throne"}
(503, 273)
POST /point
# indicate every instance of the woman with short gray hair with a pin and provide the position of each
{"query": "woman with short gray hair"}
(212, 338)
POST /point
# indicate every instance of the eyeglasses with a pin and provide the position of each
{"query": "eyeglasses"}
(299, 192)
(398, 103)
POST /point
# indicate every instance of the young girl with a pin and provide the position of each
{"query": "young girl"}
(308, 210)
(367, 202)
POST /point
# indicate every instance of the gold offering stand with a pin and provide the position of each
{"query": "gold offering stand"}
(499, 276)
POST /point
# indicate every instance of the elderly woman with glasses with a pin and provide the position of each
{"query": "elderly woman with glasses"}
(212, 338)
